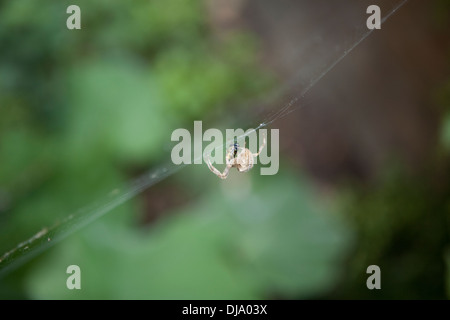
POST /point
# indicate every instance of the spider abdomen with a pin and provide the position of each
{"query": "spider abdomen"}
(237, 157)
(244, 160)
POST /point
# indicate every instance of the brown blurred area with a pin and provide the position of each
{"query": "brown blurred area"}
(375, 105)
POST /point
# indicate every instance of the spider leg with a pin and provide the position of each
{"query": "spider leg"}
(262, 146)
(223, 175)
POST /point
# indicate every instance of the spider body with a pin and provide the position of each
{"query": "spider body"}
(237, 157)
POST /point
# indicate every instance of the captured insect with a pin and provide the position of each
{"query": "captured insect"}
(237, 157)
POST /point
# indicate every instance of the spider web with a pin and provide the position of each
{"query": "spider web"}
(320, 51)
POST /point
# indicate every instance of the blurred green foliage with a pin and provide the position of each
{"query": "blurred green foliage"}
(443, 101)
(81, 109)
(403, 227)
(271, 242)
(403, 224)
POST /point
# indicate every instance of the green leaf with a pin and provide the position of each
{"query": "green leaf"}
(271, 241)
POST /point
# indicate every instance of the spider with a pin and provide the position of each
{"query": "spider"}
(237, 157)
